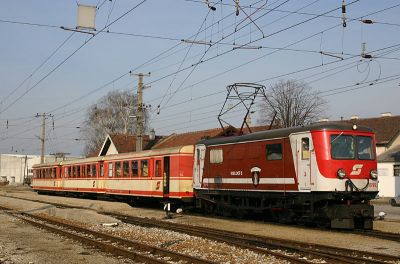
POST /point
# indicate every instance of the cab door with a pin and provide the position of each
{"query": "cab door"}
(198, 167)
(302, 144)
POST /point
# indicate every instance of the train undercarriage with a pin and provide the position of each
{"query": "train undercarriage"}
(341, 210)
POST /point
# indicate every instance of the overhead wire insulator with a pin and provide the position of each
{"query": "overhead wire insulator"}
(212, 8)
(367, 21)
(363, 51)
(237, 7)
(344, 13)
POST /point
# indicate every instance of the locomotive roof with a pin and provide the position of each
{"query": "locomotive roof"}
(284, 132)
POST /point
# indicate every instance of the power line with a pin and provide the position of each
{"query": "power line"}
(72, 54)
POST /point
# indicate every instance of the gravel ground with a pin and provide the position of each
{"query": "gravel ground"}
(24, 244)
(208, 249)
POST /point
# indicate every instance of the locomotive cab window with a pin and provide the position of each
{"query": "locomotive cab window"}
(274, 151)
(216, 156)
(342, 146)
(305, 148)
(365, 149)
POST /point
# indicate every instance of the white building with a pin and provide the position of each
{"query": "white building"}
(15, 168)
(389, 172)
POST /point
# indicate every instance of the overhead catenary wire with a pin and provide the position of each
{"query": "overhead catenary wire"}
(69, 56)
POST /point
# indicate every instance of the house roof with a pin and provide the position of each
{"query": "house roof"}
(386, 128)
(125, 143)
(189, 138)
(392, 155)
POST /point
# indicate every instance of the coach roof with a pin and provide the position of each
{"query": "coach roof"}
(284, 132)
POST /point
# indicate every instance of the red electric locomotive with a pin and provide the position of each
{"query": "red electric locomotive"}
(322, 173)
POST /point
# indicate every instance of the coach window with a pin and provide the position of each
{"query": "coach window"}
(396, 170)
(53, 173)
(305, 148)
(125, 168)
(216, 156)
(134, 168)
(94, 172)
(89, 170)
(78, 171)
(110, 169)
(101, 170)
(117, 169)
(144, 168)
(69, 172)
(84, 170)
(274, 151)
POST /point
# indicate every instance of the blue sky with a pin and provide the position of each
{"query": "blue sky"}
(191, 99)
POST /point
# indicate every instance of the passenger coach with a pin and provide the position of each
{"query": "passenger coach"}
(164, 173)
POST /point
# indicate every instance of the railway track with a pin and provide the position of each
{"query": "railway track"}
(371, 233)
(133, 250)
(302, 251)
(292, 251)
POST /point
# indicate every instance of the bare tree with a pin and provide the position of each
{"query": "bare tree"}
(294, 103)
(113, 113)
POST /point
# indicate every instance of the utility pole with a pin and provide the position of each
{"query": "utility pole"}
(44, 116)
(139, 113)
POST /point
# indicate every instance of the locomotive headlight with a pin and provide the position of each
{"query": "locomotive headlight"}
(341, 174)
(373, 174)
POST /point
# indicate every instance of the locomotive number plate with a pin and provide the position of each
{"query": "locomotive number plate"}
(236, 173)
(373, 184)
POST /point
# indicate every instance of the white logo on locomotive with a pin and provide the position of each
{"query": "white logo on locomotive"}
(356, 169)
(255, 175)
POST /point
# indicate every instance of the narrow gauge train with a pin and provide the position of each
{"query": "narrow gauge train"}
(323, 173)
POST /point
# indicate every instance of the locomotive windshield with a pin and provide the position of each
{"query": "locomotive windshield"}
(347, 146)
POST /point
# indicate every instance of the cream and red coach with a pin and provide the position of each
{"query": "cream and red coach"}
(163, 173)
(322, 173)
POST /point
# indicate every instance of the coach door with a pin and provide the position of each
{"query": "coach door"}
(303, 160)
(166, 175)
